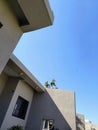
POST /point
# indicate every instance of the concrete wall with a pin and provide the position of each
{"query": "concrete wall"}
(94, 127)
(53, 104)
(10, 33)
(3, 80)
(24, 91)
(80, 122)
(6, 96)
(90, 126)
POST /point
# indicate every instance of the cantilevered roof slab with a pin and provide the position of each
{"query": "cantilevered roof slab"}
(15, 68)
(32, 14)
(17, 17)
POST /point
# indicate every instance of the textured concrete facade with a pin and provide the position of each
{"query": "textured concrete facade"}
(44, 104)
(6, 96)
(23, 90)
(17, 17)
(90, 126)
(3, 79)
(49, 104)
(53, 104)
(10, 33)
(80, 122)
(94, 127)
(14, 83)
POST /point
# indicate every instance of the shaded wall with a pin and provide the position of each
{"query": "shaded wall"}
(6, 96)
(53, 104)
(3, 80)
(26, 92)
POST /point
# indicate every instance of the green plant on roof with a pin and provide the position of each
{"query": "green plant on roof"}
(52, 84)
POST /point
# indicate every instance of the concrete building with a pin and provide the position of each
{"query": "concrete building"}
(23, 100)
(94, 127)
(27, 103)
(17, 86)
(80, 122)
(90, 126)
(18, 17)
(55, 105)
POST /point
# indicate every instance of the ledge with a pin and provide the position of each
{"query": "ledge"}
(15, 68)
(32, 14)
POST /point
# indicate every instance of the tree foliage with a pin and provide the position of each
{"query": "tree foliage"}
(47, 85)
(52, 84)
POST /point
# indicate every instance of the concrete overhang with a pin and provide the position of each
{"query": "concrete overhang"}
(15, 68)
(32, 14)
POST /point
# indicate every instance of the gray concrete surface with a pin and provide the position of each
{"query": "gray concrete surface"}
(54, 104)
(80, 122)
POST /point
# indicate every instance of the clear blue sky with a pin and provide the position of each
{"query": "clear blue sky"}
(68, 52)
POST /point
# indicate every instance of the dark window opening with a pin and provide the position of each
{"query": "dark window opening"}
(20, 108)
(1, 25)
(22, 20)
(48, 124)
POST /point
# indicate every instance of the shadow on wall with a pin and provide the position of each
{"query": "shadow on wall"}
(6, 96)
(43, 107)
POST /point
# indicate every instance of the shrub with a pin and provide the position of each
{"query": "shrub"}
(16, 127)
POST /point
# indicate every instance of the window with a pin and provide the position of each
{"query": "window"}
(1, 25)
(45, 125)
(48, 124)
(20, 108)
